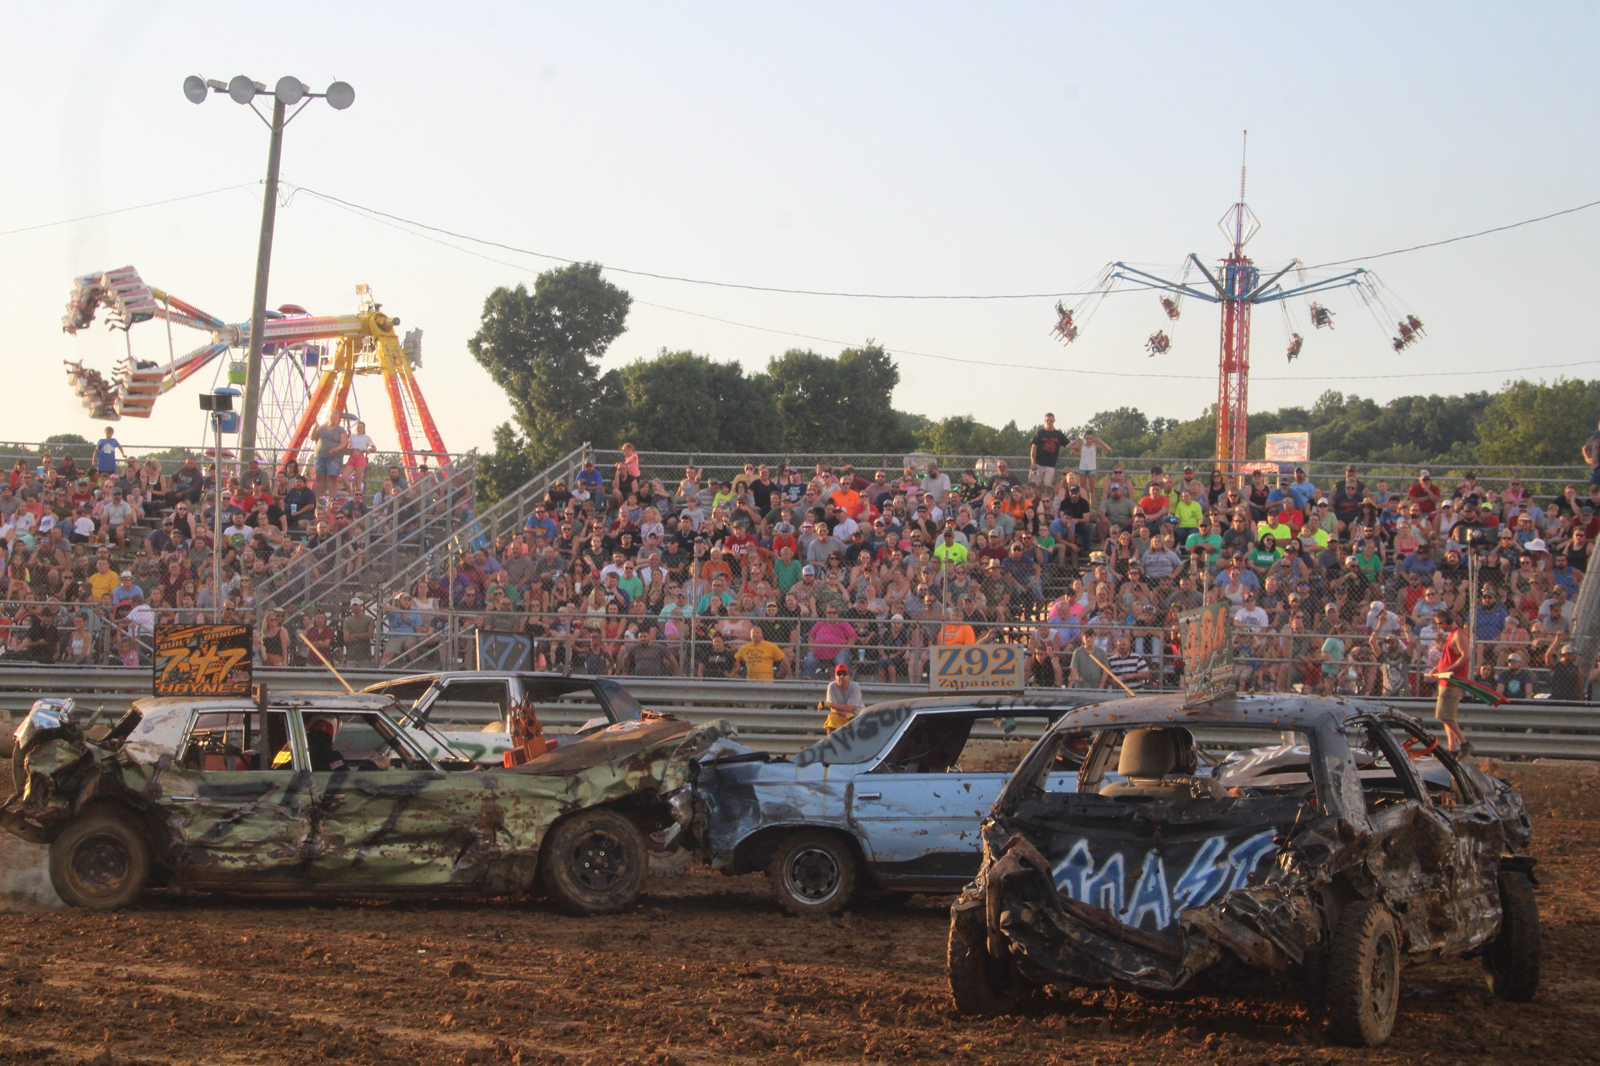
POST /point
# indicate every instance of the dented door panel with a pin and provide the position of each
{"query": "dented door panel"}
(237, 826)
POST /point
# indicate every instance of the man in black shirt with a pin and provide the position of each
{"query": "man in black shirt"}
(762, 490)
(719, 661)
(1045, 452)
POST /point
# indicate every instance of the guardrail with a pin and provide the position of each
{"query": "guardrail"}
(782, 717)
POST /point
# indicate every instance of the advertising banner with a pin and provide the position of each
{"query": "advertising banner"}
(202, 660)
(977, 667)
(1206, 636)
(1288, 447)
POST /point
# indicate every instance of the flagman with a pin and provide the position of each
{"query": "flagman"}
(1452, 673)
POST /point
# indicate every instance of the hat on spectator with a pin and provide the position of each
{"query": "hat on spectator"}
(841, 669)
(810, 571)
(357, 601)
(1565, 649)
(1376, 606)
(1536, 545)
(1424, 474)
(1322, 501)
(127, 573)
(1445, 503)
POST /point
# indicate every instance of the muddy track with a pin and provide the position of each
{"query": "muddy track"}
(705, 970)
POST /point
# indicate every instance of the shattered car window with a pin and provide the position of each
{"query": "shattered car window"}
(468, 703)
(354, 741)
(1377, 759)
(232, 740)
(931, 746)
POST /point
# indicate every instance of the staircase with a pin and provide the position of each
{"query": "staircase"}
(361, 559)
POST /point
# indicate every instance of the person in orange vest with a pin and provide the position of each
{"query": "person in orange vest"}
(954, 630)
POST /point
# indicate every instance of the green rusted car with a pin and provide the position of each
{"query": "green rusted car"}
(319, 794)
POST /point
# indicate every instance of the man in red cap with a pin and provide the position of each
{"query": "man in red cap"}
(844, 700)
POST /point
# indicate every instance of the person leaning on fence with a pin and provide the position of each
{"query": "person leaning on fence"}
(844, 700)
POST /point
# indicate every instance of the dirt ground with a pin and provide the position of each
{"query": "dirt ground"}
(704, 970)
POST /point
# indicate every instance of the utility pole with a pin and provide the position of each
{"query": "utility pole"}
(258, 305)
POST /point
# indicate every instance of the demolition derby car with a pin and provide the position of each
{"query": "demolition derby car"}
(890, 802)
(320, 793)
(459, 705)
(1249, 844)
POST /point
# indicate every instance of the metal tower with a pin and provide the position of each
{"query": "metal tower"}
(1237, 287)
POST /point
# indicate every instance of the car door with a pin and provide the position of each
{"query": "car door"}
(919, 807)
(459, 708)
(386, 820)
(1415, 855)
(1470, 904)
(240, 801)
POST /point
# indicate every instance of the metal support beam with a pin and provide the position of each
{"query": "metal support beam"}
(258, 305)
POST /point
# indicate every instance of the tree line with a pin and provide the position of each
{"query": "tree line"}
(543, 347)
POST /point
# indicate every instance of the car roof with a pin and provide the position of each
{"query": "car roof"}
(482, 675)
(1270, 710)
(162, 719)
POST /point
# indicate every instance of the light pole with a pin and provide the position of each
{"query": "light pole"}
(286, 94)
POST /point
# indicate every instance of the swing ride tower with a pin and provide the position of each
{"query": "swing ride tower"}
(1237, 286)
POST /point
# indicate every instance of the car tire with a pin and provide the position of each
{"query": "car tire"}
(1512, 958)
(813, 874)
(979, 983)
(1363, 997)
(101, 861)
(593, 862)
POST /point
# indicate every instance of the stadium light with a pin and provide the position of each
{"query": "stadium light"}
(288, 92)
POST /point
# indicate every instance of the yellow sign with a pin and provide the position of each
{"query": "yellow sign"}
(977, 667)
(202, 660)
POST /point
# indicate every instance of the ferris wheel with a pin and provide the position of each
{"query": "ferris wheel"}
(303, 382)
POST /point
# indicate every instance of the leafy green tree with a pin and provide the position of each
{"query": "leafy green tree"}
(683, 402)
(839, 405)
(1535, 424)
(964, 435)
(507, 468)
(543, 348)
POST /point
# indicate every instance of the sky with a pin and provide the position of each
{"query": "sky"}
(928, 149)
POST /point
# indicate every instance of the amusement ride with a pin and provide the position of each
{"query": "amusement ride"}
(311, 364)
(1237, 286)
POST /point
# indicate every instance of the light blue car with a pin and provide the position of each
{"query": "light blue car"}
(892, 802)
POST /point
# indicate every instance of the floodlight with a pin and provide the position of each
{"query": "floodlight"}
(290, 91)
(340, 95)
(242, 89)
(194, 87)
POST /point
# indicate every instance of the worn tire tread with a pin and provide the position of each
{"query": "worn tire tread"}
(969, 968)
(1512, 958)
(847, 873)
(573, 897)
(120, 822)
(1345, 999)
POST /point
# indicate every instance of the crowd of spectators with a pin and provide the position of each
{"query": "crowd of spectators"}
(95, 556)
(782, 571)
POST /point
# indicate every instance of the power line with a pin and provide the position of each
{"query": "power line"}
(674, 277)
(886, 296)
(1463, 237)
(122, 210)
(359, 212)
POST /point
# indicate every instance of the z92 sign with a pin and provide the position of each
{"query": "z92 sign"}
(977, 667)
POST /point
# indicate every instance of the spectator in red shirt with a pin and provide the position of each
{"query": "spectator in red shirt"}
(1425, 494)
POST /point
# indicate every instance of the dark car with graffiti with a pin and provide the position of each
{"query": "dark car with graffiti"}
(1249, 845)
(324, 794)
(469, 708)
(891, 802)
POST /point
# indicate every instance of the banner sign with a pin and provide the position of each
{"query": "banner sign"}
(978, 668)
(1258, 468)
(202, 660)
(1206, 636)
(1288, 447)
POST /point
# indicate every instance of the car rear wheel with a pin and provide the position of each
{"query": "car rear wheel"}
(979, 983)
(593, 862)
(1364, 976)
(813, 874)
(1513, 958)
(101, 861)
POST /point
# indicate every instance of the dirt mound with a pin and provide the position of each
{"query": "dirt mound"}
(1554, 788)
